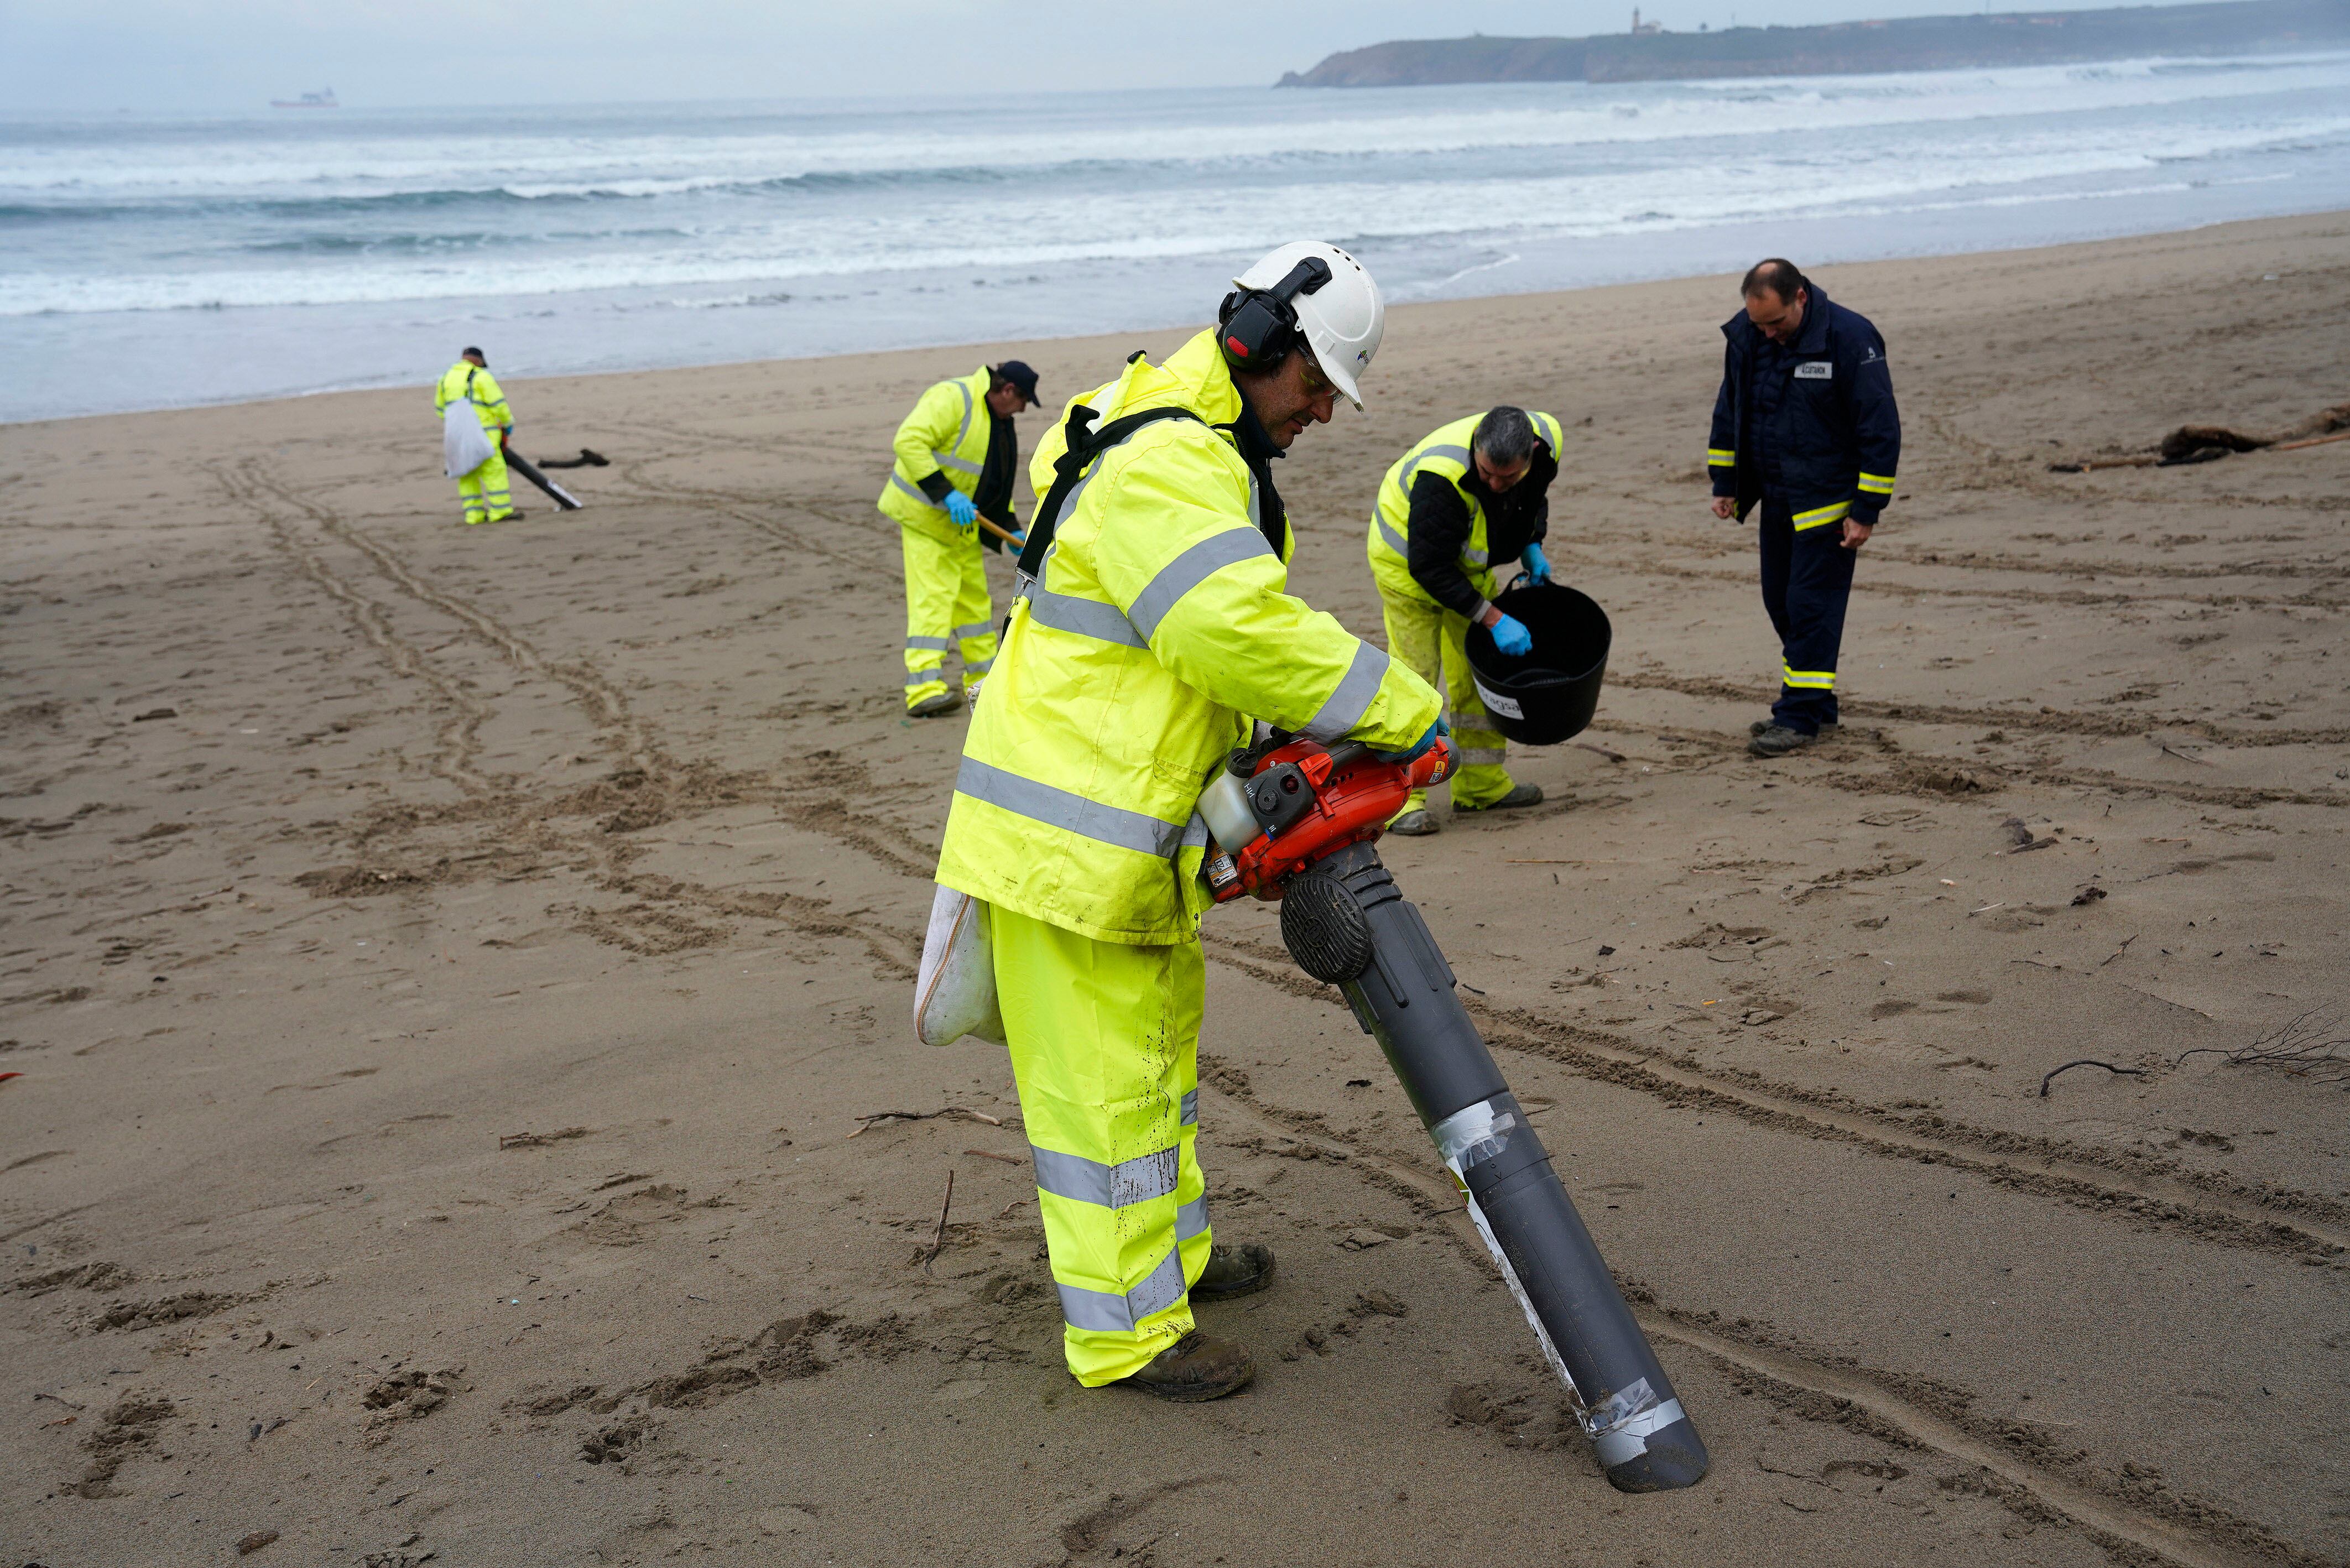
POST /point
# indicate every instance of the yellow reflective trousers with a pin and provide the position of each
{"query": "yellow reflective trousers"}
(1105, 1041)
(947, 605)
(483, 492)
(1432, 643)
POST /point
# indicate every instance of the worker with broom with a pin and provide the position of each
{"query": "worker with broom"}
(956, 458)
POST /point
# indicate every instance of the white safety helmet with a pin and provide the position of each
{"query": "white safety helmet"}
(1341, 321)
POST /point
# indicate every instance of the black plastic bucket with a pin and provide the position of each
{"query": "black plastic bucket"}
(1550, 693)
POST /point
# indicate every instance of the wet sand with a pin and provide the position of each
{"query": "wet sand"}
(447, 968)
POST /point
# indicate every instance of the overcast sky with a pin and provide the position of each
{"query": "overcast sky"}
(207, 54)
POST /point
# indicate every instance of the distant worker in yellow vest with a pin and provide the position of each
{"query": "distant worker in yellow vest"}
(1160, 624)
(482, 486)
(1473, 493)
(957, 458)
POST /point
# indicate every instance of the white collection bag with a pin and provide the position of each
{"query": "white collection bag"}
(464, 444)
(954, 995)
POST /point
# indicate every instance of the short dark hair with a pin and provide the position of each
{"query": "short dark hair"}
(1775, 274)
(1506, 435)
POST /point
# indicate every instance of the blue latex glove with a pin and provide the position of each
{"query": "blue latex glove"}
(1510, 636)
(1536, 563)
(1418, 748)
(960, 508)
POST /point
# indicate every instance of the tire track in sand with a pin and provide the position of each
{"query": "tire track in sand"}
(2018, 1465)
(2044, 721)
(457, 740)
(2283, 1222)
(607, 708)
(608, 711)
(2297, 1225)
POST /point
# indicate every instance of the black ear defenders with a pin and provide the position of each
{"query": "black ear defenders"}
(1257, 328)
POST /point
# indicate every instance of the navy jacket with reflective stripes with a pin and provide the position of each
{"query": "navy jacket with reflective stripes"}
(1827, 421)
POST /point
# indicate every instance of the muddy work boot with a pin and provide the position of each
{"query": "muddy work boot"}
(1760, 725)
(1234, 1269)
(1524, 795)
(1413, 824)
(935, 705)
(1195, 1368)
(1777, 741)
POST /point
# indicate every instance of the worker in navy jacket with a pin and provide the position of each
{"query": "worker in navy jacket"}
(1806, 426)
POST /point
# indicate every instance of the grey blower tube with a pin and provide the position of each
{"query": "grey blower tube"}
(563, 500)
(1345, 924)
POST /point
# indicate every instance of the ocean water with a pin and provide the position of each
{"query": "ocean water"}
(155, 260)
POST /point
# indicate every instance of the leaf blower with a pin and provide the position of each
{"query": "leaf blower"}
(1296, 822)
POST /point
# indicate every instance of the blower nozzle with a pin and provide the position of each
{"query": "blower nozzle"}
(1313, 817)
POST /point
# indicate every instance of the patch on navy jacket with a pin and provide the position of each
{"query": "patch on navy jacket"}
(1815, 370)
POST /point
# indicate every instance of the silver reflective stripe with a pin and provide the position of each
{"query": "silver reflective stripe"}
(1547, 428)
(1105, 1313)
(1188, 571)
(1161, 1289)
(976, 628)
(982, 668)
(1195, 833)
(1191, 1220)
(1083, 1180)
(948, 459)
(1394, 541)
(1096, 1310)
(1191, 1117)
(913, 490)
(1458, 454)
(1337, 717)
(924, 677)
(1483, 756)
(964, 433)
(1087, 618)
(1110, 824)
(939, 643)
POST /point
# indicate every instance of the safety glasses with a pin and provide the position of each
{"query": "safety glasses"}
(1317, 384)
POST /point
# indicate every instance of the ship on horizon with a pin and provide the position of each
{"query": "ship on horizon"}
(307, 100)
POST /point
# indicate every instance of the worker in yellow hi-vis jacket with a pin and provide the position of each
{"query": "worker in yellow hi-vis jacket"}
(956, 460)
(483, 484)
(1470, 495)
(1159, 625)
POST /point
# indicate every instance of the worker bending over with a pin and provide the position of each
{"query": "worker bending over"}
(1471, 492)
(1806, 424)
(1158, 626)
(956, 458)
(483, 488)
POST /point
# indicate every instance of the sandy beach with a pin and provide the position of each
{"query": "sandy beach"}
(448, 968)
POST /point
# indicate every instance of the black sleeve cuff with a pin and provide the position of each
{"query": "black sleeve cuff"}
(936, 486)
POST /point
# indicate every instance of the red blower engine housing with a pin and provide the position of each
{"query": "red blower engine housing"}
(1310, 802)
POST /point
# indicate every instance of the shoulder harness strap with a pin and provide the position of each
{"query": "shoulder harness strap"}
(1084, 444)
